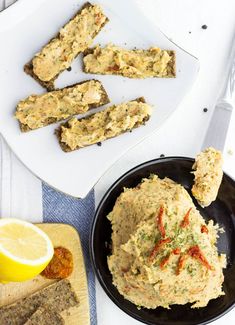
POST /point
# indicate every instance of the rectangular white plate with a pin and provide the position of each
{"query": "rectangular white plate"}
(77, 172)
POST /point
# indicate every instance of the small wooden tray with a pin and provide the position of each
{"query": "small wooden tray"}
(66, 236)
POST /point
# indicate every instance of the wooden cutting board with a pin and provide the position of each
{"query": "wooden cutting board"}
(66, 236)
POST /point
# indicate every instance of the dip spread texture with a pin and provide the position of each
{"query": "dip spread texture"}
(163, 252)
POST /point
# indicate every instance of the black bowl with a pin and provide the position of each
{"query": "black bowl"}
(222, 211)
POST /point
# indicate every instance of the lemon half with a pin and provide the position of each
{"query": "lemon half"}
(25, 250)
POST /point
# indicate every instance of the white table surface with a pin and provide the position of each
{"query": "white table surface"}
(183, 133)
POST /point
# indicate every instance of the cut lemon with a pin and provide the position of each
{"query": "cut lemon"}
(25, 250)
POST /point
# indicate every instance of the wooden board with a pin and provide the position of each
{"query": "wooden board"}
(66, 236)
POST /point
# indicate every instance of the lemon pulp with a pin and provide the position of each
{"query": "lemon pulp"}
(25, 250)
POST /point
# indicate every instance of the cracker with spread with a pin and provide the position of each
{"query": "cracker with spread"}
(114, 60)
(109, 123)
(37, 111)
(75, 37)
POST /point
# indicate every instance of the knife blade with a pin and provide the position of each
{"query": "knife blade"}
(219, 124)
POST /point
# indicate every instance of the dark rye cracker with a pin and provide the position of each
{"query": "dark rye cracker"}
(50, 120)
(58, 295)
(114, 70)
(45, 315)
(49, 85)
(66, 148)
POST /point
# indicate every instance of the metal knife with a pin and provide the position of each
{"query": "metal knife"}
(218, 127)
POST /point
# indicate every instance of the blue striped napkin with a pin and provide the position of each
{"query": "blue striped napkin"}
(61, 208)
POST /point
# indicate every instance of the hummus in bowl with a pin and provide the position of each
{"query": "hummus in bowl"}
(163, 252)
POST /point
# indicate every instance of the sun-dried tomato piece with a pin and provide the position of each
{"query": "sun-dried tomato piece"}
(157, 247)
(114, 67)
(185, 221)
(160, 222)
(176, 251)
(181, 263)
(196, 253)
(204, 229)
(165, 260)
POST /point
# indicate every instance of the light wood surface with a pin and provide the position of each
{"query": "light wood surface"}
(66, 236)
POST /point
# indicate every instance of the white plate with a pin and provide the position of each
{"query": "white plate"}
(16, 12)
(76, 173)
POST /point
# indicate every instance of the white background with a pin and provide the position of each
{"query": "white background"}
(183, 133)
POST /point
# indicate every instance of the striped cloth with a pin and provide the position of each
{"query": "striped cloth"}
(61, 208)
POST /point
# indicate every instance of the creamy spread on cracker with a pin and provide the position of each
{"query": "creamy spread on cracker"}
(39, 110)
(73, 38)
(104, 125)
(208, 176)
(112, 59)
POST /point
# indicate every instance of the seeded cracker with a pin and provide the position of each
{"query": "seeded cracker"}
(58, 295)
(74, 38)
(37, 111)
(44, 316)
(137, 63)
(103, 125)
